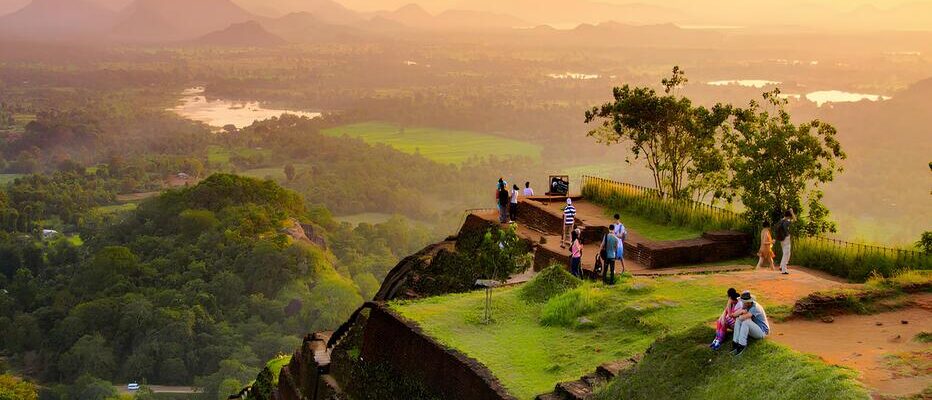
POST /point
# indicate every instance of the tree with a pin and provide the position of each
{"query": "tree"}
(501, 254)
(289, 172)
(667, 131)
(775, 164)
(89, 355)
(13, 388)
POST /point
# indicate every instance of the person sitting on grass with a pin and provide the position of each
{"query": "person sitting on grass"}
(750, 323)
(726, 321)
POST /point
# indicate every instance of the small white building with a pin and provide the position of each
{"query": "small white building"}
(49, 233)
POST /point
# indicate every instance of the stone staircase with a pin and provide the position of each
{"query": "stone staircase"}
(585, 386)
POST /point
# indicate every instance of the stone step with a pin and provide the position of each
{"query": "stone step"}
(574, 390)
(549, 396)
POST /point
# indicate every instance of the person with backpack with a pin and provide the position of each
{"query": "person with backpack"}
(622, 234)
(783, 236)
(503, 199)
(609, 249)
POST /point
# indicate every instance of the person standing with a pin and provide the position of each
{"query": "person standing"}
(621, 233)
(765, 253)
(751, 323)
(503, 198)
(528, 192)
(783, 236)
(576, 249)
(569, 221)
(513, 210)
(609, 249)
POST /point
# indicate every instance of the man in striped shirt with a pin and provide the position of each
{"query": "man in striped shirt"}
(569, 222)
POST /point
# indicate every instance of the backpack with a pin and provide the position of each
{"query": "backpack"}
(782, 231)
(503, 197)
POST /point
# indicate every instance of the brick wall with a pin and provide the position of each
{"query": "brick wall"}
(401, 344)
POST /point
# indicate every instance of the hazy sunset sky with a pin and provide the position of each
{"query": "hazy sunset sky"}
(845, 14)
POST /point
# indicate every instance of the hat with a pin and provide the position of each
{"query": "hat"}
(746, 297)
(569, 200)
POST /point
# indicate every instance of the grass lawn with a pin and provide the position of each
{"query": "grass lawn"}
(653, 230)
(116, 208)
(682, 367)
(441, 145)
(217, 155)
(275, 365)
(276, 173)
(530, 358)
(7, 178)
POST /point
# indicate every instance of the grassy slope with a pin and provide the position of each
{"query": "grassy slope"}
(7, 178)
(529, 358)
(441, 145)
(653, 230)
(682, 367)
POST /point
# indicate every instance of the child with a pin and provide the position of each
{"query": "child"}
(766, 247)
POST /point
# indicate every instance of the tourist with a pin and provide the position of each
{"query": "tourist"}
(750, 323)
(765, 253)
(503, 198)
(569, 221)
(576, 255)
(609, 248)
(528, 192)
(621, 233)
(783, 236)
(513, 211)
(726, 321)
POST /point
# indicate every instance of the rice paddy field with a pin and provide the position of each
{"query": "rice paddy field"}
(441, 145)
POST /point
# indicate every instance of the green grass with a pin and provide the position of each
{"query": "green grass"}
(681, 366)
(529, 358)
(276, 173)
(441, 145)
(653, 230)
(7, 178)
(275, 365)
(217, 155)
(115, 208)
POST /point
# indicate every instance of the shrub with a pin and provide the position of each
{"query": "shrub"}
(565, 309)
(548, 283)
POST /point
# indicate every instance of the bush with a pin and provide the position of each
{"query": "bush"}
(565, 309)
(550, 282)
(853, 261)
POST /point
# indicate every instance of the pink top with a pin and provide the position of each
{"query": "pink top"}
(576, 249)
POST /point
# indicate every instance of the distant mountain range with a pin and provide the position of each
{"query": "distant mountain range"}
(250, 34)
(191, 21)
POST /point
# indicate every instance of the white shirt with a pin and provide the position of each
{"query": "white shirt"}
(514, 196)
(528, 192)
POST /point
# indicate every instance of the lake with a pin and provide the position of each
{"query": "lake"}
(574, 75)
(218, 113)
(755, 83)
(837, 96)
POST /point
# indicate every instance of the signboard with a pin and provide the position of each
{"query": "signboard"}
(559, 185)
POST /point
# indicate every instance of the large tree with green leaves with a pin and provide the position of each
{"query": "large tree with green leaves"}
(777, 165)
(677, 140)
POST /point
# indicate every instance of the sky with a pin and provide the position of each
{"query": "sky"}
(845, 14)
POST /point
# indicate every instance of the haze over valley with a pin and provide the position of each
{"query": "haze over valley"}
(189, 187)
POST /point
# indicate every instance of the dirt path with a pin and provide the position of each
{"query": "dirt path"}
(162, 389)
(866, 343)
(776, 288)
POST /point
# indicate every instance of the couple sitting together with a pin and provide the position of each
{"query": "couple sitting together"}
(743, 315)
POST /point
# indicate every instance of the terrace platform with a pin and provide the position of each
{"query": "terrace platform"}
(540, 222)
